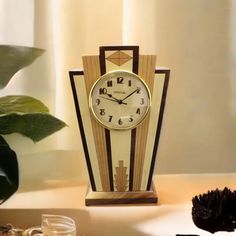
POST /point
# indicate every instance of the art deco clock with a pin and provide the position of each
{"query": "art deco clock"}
(119, 100)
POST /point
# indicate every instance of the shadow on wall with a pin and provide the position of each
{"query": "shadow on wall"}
(53, 169)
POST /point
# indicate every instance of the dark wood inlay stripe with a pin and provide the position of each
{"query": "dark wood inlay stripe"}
(102, 60)
(135, 59)
(81, 127)
(159, 123)
(132, 155)
(109, 158)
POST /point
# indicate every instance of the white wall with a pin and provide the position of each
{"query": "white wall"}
(201, 120)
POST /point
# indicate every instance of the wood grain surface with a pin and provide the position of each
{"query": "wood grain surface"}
(91, 74)
(146, 72)
(135, 197)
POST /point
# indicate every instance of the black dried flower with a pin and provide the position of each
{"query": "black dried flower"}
(215, 210)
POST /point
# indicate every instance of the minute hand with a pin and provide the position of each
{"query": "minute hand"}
(130, 94)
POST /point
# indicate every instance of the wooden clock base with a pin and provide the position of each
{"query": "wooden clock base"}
(110, 198)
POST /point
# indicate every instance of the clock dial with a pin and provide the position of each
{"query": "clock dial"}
(119, 100)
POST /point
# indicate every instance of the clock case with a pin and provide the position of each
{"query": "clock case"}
(120, 163)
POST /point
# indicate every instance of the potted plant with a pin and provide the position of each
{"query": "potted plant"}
(19, 114)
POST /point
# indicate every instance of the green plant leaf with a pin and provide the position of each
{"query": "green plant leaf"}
(9, 173)
(14, 58)
(21, 104)
(33, 125)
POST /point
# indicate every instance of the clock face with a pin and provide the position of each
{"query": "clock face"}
(119, 100)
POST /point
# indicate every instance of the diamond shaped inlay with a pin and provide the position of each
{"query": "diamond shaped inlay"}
(119, 58)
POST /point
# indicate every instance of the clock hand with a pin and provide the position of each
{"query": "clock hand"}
(113, 100)
(111, 96)
(118, 100)
(130, 94)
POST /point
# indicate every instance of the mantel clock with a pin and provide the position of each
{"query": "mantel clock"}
(119, 99)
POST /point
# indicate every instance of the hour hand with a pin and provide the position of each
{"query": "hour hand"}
(114, 100)
(111, 96)
(118, 100)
